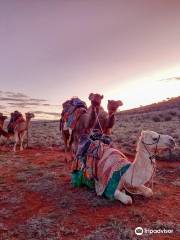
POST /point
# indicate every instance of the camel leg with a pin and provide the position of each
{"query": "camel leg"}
(70, 152)
(71, 148)
(16, 141)
(21, 141)
(66, 138)
(146, 192)
(65, 149)
(122, 197)
(66, 154)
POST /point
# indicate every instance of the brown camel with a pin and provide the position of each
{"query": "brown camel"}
(83, 125)
(20, 128)
(2, 132)
(105, 120)
(87, 121)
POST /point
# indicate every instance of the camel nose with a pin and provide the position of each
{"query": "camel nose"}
(172, 142)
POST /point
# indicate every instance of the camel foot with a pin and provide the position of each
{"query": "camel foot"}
(122, 197)
(146, 192)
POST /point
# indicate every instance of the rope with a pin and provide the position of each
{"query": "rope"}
(97, 118)
(140, 193)
(154, 166)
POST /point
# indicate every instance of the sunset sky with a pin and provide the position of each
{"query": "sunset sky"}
(51, 50)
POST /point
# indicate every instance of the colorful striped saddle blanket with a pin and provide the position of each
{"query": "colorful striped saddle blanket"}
(16, 118)
(103, 165)
(111, 167)
(72, 110)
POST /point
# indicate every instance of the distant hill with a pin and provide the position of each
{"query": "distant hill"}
(163, 105)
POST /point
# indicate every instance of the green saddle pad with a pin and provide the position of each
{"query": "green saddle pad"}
(78, 179)
(114, 181)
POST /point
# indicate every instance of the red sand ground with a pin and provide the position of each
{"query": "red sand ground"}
(37, 201)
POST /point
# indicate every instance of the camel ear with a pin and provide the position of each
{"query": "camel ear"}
(143, 133)
(102, 96)
(90, 96)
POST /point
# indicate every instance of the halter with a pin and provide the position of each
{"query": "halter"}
(97, 118)
(151, 157)
(154, 156)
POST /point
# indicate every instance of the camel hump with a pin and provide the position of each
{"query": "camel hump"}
(16, 117)
(72, 110)
(74, 102)
(2, 117)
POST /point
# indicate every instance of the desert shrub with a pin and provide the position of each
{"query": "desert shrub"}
(156, 119)
(134, 141)
(125, 144)
(168, 118)
(119, 140)
(173, 113)
(175, 136)
(160, 115)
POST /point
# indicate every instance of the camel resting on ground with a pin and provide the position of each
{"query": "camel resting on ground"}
(19, 128)
(115, 173)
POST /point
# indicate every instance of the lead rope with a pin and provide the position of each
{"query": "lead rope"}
(97, 118)
(140, 193)
(154, 169)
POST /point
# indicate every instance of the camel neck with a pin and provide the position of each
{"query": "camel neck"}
(27, 122)
(111, 120)
(142, 167)
(92, 117)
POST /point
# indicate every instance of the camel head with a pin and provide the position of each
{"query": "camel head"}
(154, 141)
(95, 99)
(2, 119)
(113, 105)
(29, 115)
(15, 114)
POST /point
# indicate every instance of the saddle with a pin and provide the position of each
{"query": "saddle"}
(16, 117)
(89, 152)
(72, 110)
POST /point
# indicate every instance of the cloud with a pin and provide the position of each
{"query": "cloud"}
(46, 113)
(16, 95)
(37, 100)
(21, 100)
(2, 107)
(11, 101)
(46, 105)
(171, 79)
(23, 104)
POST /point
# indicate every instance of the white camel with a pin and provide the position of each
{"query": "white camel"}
(137, 173)
(21, 129)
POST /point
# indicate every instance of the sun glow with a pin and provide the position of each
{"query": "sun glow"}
(147, 90)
